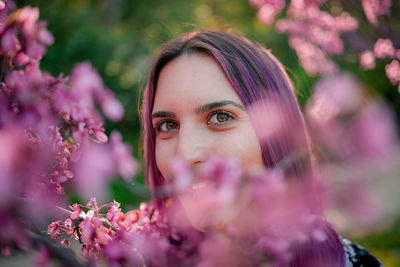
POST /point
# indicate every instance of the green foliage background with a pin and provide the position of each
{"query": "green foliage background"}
(121, 37)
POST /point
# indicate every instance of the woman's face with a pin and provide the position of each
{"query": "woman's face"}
(197, 113)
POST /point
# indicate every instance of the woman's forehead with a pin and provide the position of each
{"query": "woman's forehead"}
(193, 79)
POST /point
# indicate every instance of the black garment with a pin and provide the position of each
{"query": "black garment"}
(357, 256)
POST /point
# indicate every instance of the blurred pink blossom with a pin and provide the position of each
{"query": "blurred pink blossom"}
(314, 34)
(256, 3)
(126, 165)
(393, 72)
(397, 54)
(84, 81)
(77, 211)
(373, 134)
(258, 112)
(111, 107)
(54, 229)
(93, 204)
(311, 57)
(47, 128)
(10, 146)
(87, 230)
(367, 60)
(383, 48)
(333, 95)
(345, 22)
(268, 9)
(113, 212)
(375, 8)
(86, 87)
(93, 170)
(183, 175)
(34, 37)
(267, 13)
(350, 198)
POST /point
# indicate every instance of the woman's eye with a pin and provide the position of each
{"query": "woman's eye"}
(167, 126)
(220, 118)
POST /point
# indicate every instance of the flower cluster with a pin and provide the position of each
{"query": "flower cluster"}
(219, 215)
(217, 208)
(375, 8)
(52, 131)
(92, 228)
(46, 124)
(313, 33)
(358, 145)
(383, 49)
(23, 38)
(105, 232)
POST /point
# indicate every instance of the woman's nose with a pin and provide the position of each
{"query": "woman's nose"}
(191, 145)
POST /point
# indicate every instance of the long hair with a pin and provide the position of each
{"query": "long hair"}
(256, 76)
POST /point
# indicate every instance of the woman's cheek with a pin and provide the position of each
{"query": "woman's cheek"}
(244, 146)
(164, 156)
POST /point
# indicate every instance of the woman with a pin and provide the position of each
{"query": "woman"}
(205, 95)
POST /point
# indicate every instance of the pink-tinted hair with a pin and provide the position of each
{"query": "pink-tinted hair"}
(256, 75)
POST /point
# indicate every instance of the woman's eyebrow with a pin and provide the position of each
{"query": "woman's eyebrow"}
(162, 114)
(218, 104)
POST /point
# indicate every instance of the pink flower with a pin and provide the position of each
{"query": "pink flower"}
(32, 40)
(93, 170)
(384, 48)
(104, 235)
(54, 229)
(93, 204)
(100, 137)
(111, 107)
(266, 14)
(143, 207)
(126, 165)
(345, 22)
(373, 134)
(312, 58)
(256, 3)
(367, 60)
(131, 218)
(334, 95)
(328, 40)
(393, 72)
(397, 54)
(113, 213)
(9, 41)
(87, 230)
(69, 230)
(268, 9)
(375, 8)
(77, 211)
(28, 16)
(85, 80)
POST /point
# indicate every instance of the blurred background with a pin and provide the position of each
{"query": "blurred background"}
(122, 37)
